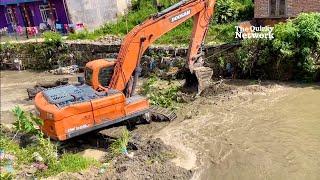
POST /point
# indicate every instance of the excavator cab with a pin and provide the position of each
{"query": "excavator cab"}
(98, 73)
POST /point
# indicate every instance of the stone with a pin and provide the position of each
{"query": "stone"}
(96, 154)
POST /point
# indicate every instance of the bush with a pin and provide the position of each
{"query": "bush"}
(161, 97)
(293, 53)
(24, 157)
(26, 124)
(52, 38)
(227, 11)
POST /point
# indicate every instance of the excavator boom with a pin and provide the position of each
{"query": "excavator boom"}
(143, 35)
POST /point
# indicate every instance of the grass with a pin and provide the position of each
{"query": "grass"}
(69, 163)
(218, 33)
(23, 156)
(120, 145)
(158, 95)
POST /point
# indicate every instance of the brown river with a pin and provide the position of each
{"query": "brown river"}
(270, 132)
(256, 132)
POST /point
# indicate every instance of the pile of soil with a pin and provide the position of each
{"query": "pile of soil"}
(151, 160)
(218, 88)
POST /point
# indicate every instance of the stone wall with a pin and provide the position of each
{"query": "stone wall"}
(156, 57)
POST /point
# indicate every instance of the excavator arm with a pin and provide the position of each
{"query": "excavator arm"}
(143, 35)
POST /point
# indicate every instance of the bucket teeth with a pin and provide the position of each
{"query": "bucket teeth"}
(203, 75)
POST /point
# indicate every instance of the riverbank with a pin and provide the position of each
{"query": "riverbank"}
(239, 129)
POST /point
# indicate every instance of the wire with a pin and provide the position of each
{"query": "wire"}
(212, 55)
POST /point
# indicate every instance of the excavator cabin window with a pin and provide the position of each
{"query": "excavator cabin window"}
(105, 75)
(88, 76)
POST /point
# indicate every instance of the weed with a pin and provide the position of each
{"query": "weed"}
(69, 163)
(52, 38)
(26, 124)
(161, 97)
(23, 155)
(120, 145)
(160, 157)
(43, 146)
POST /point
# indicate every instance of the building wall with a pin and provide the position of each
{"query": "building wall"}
(294, 7)
(3, 21)
(36, 15)
(94, 13)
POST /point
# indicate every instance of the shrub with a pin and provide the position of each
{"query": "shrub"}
(52, 38)
(120, 145)
(26, 123)
(161, 97)
(293, 53)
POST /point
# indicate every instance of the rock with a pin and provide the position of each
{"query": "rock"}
(37, 157)
(96, 154)
(7, 127)
(40, 166)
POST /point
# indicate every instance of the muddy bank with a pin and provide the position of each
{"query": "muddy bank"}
(150, 161)
(238, 130)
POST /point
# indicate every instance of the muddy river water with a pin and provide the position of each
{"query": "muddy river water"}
(255, 132)
(269, 133)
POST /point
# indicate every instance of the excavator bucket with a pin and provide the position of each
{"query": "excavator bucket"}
(199, 80)
(203, 75)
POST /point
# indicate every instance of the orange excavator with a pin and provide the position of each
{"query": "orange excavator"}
(106, 96)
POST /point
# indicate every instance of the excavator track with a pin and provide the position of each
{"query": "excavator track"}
(162, 114)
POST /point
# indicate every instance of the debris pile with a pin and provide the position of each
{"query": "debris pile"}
(110, 39)
(65, 70)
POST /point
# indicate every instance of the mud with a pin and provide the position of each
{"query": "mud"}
(235, 130)
(151, 160)
(14, 86)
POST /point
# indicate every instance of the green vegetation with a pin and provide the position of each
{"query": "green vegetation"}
(228, 12)
(41, 151)
(166, 97)
(120, 145)
(69, 163)
(52, 38)
(232, 10)
(293, 54)
(26, 124)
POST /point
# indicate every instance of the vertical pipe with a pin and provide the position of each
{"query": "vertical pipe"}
(66, 11)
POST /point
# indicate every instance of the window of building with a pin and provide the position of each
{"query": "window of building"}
(277, 8)
(45, 11)
(11, 16)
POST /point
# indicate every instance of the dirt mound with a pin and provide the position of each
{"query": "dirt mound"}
(218, 88)
(151, 160)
